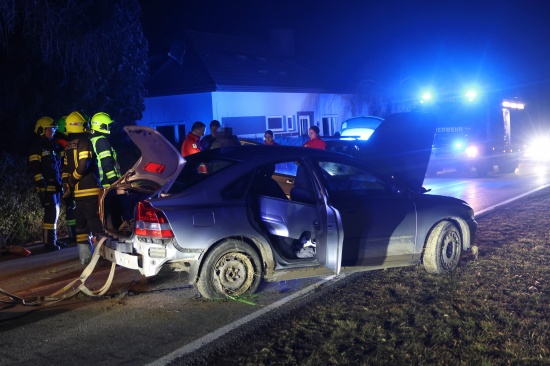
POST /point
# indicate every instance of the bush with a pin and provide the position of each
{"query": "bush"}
(22, 214)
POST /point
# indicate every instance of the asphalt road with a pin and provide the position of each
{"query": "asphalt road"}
(142, 320)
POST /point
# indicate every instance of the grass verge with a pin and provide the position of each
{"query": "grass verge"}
(492, 311)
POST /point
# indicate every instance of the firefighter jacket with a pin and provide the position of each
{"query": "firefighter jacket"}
(80, 170)
(45, 161)
(109, 171)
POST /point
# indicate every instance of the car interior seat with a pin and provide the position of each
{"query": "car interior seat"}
(265, 185)
(301, 192)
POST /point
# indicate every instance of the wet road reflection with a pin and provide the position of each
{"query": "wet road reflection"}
(483, 193)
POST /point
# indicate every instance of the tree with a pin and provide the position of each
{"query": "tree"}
(57, 56)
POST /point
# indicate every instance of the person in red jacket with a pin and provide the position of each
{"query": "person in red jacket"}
(191, 144)
(315, 141)
(268, 138)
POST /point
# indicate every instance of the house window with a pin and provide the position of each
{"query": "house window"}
(275, 123)
(173, 133)
(167, 131)
(290, 126)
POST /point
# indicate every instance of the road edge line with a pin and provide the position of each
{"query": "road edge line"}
(490, 208)
(210, 337)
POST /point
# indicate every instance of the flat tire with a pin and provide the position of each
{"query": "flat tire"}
(443, 248)
(233, 268)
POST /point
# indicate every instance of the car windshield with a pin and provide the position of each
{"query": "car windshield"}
(197, 170)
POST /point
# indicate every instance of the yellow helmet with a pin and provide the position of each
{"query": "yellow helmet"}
(42, 124)
(76, 123)
(100, 122)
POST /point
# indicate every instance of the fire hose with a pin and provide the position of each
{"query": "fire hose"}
(70, 289)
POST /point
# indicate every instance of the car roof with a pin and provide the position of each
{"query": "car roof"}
(246, 153)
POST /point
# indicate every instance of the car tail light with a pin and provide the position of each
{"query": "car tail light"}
(151, 222)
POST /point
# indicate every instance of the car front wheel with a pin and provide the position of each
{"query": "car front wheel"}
(233, 268)
(443, 248)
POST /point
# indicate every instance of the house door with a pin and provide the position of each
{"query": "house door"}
(305, 124)
(329, 125)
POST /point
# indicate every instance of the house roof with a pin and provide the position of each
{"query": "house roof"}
(205, 62)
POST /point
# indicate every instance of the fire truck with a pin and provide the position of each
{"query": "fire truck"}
(473, 133)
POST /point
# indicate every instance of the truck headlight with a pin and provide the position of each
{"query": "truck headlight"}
(471, 152)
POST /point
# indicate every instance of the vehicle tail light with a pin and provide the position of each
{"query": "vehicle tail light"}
(151, 222)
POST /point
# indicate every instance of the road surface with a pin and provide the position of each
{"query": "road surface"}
(141, 320)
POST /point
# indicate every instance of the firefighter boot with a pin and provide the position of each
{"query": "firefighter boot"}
(72, 234)
(85, 252)
(48, 237)
(60, 244)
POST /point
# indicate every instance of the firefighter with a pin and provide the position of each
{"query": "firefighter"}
(109, 171)
(60, 138)
(81, 179)
(44, 161)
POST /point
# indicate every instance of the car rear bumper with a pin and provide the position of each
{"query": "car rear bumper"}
(147, 258)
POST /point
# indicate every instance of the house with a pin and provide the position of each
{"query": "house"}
(242, 83)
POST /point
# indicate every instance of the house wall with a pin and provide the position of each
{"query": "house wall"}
(231, 105)
(246, 112)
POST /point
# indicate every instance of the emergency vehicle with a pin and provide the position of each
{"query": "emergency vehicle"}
(473, 133)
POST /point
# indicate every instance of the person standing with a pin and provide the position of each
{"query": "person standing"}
(314, 139)
(81, 179)
(44, 161)
(208, 141)
(109, 171)
(191, 144)
(268, 138)
(60, 138)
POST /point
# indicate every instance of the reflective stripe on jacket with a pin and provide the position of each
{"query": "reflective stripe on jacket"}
(80, 168)
(44, 162)
(109, 172)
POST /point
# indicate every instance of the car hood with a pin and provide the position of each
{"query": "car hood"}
(401, 147)
(160, 162)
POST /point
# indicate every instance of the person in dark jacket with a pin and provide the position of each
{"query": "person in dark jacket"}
(109, 171)
(81, 179)
(207, 142)
(60, 138)
(45, 161)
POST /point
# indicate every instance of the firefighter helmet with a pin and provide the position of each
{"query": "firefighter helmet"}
(42, 124)
(100, 122)
(62, 125)
(76, 123)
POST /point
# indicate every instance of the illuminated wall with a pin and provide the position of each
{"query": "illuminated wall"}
(188, 108)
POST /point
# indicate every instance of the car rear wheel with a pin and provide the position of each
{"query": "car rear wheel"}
(443, 248)
(233, 268)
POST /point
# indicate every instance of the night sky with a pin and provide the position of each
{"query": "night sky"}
(502, 45)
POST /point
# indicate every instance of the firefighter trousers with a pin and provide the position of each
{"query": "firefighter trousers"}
(87, 223)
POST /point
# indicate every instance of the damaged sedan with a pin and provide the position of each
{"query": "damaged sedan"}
(235, 216)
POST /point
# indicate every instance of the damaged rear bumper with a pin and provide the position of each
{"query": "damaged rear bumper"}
(147, 258)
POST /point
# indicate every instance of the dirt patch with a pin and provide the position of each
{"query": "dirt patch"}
(492, 311)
